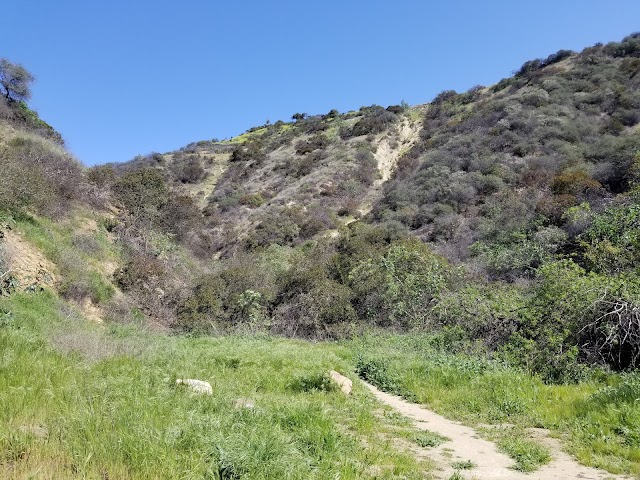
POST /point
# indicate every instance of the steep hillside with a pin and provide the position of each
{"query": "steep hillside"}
(510, 167)
(560, 134)
(288, 182)
(464, 213)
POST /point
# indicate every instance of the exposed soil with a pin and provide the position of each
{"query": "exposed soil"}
(28, 265)
(466, 445)
(387, 155)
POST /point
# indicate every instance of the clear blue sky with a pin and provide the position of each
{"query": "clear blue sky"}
(119, 78)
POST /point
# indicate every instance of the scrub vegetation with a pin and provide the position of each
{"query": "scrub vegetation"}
(478, 254)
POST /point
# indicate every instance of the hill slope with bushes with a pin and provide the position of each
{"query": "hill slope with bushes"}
(506, 214)
(486, 242)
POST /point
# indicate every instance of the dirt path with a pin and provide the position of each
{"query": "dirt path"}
(466, 444)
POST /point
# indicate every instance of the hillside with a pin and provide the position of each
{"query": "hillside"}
(485, 242)
(387, 217)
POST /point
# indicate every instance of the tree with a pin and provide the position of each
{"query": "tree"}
(15, 81)
(298, 116)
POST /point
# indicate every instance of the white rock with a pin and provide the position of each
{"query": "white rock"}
(341, 381)
(247, 403)
(197, 386)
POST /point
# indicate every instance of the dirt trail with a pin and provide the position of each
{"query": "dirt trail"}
(466, 444)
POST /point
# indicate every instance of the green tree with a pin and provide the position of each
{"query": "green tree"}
(15, 81)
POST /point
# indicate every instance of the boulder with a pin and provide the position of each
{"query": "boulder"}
(341, 381)
(197, 386)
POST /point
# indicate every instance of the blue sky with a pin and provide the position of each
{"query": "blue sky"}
(119, 78)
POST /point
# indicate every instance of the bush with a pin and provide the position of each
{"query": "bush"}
(317, 142)
(485, 312)
(316, 221)
(202, 311)
(519, 253)
(576, 318)
(320, 311)
(253, 200)
(444, 96)
(140, 271)
(37, 174)
(141, 192)
(367, 167)
(612, 243)
(101, 175)
(375, 120)
(275, 228)
(573, 183)
(249, 152)
(400, 287)
(189, 170)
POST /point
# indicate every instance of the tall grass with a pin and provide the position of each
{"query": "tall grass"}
(81, 400)
(67, 413)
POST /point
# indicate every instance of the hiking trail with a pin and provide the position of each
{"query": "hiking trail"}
(465, 444)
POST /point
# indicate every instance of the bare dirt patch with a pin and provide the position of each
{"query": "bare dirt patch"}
(388, 153)
(28, 265)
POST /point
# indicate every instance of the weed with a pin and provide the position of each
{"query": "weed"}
(376, 371)
(318, 382)
(464, 465)
(426, 439)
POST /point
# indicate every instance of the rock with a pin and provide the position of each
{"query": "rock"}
(197, 386)
(39, 431)
(341, 381)
(244, 403)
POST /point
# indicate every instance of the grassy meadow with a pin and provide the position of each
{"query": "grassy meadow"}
(81, 400)
(84, 400)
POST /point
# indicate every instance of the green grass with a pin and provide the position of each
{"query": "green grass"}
(529, 455)
(600, 417)
(245, 137)
(81, 400)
